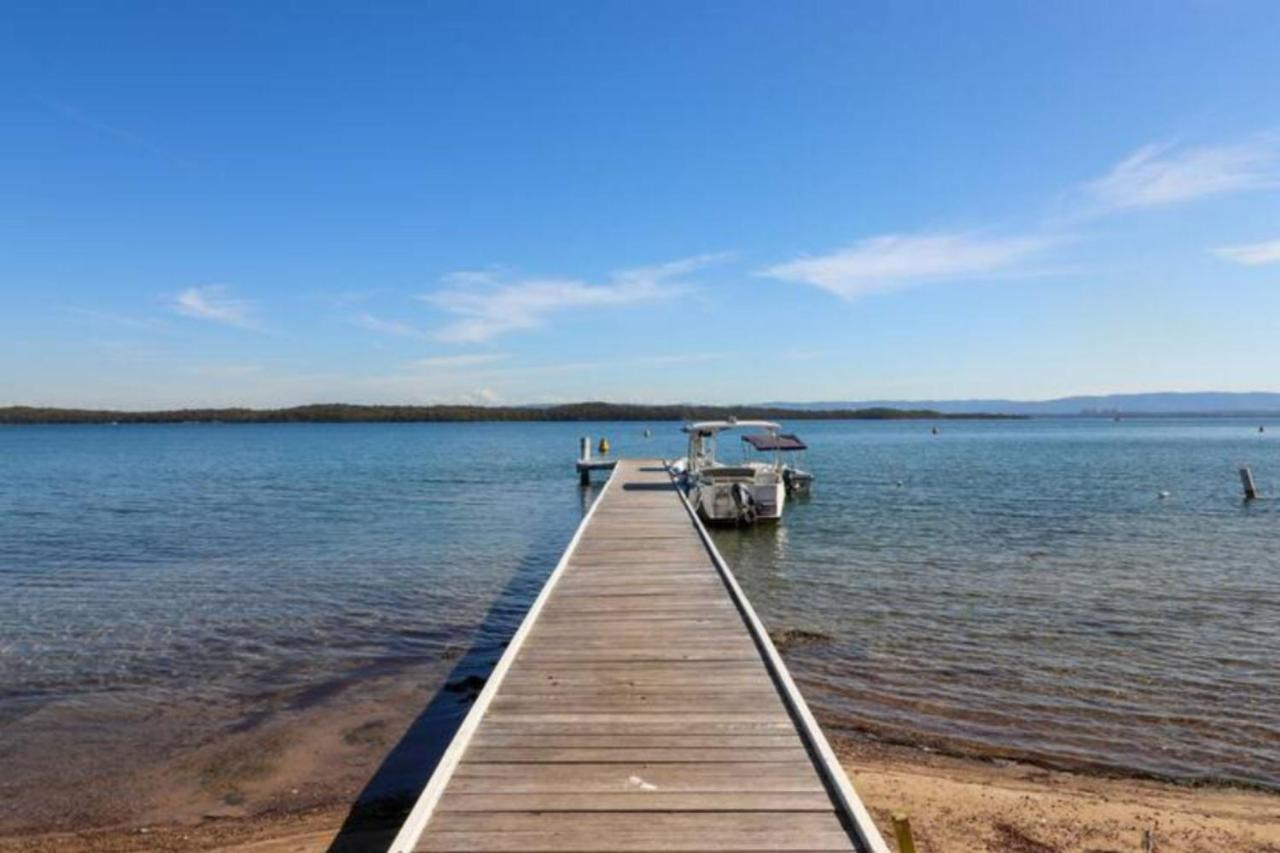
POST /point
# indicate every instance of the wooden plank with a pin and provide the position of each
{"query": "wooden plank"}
(634, 755)
(690, 693)
(492, 738)
(729, 705)
(623, 724)
(496, 778)
(458, 832)
(639, 801)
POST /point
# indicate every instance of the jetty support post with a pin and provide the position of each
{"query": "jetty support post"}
(902, 831)
(1246, 481)
(584, 455)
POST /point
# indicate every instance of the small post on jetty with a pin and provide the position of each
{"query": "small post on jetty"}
(902, 831)
(587, 463)
(1246, 481)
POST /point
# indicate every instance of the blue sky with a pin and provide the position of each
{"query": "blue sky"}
(270, 204)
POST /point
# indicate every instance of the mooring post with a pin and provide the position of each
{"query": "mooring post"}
(902, 829)
(1246, 480)
(584, 456)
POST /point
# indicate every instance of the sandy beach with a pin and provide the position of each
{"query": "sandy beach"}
(954, 805)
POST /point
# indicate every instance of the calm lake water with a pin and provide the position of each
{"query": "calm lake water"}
(1011, 588)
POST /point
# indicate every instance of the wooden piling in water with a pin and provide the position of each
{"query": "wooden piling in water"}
(1246, 481)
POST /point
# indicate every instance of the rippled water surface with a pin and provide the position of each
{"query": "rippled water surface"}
(1013, 588)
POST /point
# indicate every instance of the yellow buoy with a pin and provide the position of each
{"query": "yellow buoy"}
(604, 446)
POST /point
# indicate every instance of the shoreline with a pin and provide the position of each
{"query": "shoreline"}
(587, 412)
(955, 804)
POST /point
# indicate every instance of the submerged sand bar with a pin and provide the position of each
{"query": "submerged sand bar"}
(640, 707)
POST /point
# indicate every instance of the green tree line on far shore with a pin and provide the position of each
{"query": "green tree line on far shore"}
(344, 413)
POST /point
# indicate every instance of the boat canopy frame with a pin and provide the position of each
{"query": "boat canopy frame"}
(703, 437)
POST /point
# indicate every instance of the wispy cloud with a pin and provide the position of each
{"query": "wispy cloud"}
(226, 371)
(343, 300)
(487, 364)
(1251, 254)
(448, 362)
(128, 137)
(897, 261)
(397, 328)
(612, 364)
(1161, 174)
(213, 302)
(488, 305)
(126, 321)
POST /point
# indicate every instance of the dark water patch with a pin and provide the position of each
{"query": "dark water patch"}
(788, 639)
(468, 686)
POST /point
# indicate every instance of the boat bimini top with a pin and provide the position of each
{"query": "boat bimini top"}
(781, 441)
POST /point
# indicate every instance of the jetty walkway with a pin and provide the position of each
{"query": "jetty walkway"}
(640, 707)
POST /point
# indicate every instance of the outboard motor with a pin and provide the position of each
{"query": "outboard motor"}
(745, 503)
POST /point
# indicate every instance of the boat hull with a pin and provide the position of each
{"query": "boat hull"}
(738, 503)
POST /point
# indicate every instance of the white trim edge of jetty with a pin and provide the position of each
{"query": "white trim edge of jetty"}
(833, 774)
(407, 838)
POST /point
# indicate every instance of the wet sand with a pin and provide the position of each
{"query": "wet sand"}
(957, 804)
(954, 805)
(198, 775)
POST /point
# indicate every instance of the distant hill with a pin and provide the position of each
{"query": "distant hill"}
(1157, 403)
(344, 413)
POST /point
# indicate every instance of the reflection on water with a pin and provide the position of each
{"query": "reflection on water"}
(1012, 587)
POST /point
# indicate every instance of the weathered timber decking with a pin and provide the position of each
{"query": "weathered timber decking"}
(640, 707)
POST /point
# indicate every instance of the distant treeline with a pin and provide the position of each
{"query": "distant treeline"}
(342, 413)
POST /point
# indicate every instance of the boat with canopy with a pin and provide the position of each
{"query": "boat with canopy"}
(746, 492)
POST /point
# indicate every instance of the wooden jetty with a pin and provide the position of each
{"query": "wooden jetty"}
(640, 707)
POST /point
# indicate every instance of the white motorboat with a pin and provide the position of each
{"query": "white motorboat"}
(741, 493)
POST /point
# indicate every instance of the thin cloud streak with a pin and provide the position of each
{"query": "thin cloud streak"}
(587, 366)
(452, 362)
(395, 328)
(213, 303)
(127, 137)
(110, 318)
(1162, 174)
(480, 362)
(488, 306)
(1251, 254)
(896, 261)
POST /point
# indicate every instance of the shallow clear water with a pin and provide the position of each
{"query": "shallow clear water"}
(1012, 588)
